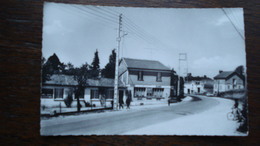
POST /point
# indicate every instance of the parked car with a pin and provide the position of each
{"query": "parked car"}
(210, 94)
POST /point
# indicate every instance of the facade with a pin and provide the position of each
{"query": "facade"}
(198, 85)
(228, 80)
(61, 86)
(145, 79)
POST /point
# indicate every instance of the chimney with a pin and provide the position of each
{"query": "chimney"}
(220, 71)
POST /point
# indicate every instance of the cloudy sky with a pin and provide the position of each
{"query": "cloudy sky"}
(212, 38)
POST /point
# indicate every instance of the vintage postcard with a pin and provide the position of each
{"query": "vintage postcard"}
(143, 71)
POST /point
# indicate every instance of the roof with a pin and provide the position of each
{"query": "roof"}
(226, 75)
(68, 80)
(223, 75)
(145, 64)
(191, 78)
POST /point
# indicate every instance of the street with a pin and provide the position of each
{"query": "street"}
(119, 122)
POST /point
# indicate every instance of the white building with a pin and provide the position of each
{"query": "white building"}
(198, 85)
(228, 80)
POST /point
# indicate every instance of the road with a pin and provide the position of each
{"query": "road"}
(116, 123)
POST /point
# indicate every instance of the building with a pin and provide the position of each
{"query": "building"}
(228, 80)
(145, 79)
(198, 85)
(60, 87)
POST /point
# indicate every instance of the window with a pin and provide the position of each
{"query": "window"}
(140, 76)
(158, 92)
(110, 94)
(197, 83)
(159, 77)
(58, 93)
(47, 93)
(94, 94)
(139, 92)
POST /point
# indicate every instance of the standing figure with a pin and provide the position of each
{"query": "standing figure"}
(129, 99)
(121, 102)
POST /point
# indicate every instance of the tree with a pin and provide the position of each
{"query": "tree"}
(109, 70)
(54, 65)
(81, 75)
(181, 87)
(45, 73)
(241, 71)
(51, 66)
(69, 69)
(174, 83)
(95, 68)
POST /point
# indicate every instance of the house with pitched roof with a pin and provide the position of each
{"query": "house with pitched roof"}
(145, 79)
(228, 80)
(198, 85)
(60, 87)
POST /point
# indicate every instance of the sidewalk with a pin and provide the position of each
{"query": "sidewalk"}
(133, 108)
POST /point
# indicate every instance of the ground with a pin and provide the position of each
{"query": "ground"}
(194, 116)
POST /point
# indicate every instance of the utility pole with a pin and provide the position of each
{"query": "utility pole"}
(116, 98)
(182, 57)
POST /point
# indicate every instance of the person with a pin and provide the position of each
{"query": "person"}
(112, 104)
(128, 100)
(121, 103)
(169, 103)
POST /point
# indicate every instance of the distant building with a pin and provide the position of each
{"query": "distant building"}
(145, 79)
(198, 85)
(228, 80)
(60, 87)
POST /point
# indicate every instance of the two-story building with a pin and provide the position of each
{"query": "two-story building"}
(145, 79)
(227, 80)
(198, 85)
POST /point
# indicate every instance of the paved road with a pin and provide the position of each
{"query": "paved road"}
(121, 122)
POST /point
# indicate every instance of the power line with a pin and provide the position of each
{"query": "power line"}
(95, 14)
(101, 20)
(233, 24)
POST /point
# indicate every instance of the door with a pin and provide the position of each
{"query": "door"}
(198, 90)
(188, 91)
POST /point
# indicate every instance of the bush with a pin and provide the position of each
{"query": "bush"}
(231, 93)
(68, 101)
(243, 127)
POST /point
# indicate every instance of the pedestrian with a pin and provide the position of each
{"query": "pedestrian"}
(121, 102)
(169, 103)
(129, 99)
(112, 104)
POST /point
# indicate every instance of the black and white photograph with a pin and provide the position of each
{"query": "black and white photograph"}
(110, 70)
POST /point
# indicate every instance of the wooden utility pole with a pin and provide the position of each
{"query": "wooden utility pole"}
(116, 98)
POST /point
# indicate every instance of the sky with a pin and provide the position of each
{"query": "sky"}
(212, 38)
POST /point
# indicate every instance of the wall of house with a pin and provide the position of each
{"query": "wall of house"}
(51, 102)
(122, 67)
(193, 87)
(124, 78)
(219, 85)
(149, 80)
(226, 85)
(239, 84)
